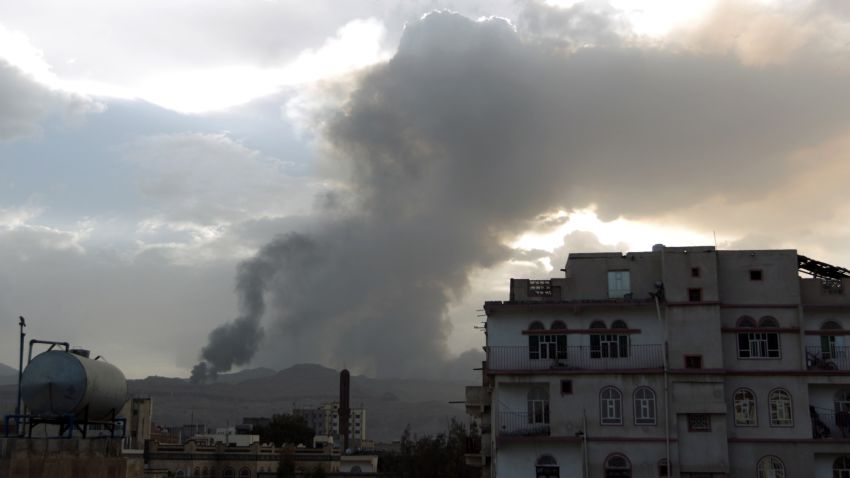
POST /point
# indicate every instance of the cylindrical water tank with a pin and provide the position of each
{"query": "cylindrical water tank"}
(57, 383)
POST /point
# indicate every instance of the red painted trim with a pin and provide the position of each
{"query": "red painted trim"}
(781, 330)
(692, 304)
(826, 306)
(580, 331)
(788, 440)
(537, 439)
(567, 304)
(697, 371)
(789, 373)
(630, 439)
(828, 332)
(628, 371)
(726, 305)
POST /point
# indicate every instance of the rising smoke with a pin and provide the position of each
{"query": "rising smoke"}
(471, 131)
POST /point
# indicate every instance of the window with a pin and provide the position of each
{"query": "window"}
(547, 346)
(694, 271)
(566, 387)
(695, 295)
(610, 406)
(663, 469)
(644, 406)
(755, 274)
(619, 284)
(745, 408)
(618, 466)
(841, 467)
(179, 474)
(196, 472)
(780, 408)
(771, 467)
(538, 405)
(693, 361)
(757, 344)
(205, 473)
(699, 422)
(842, 411)
(245, 473)
(356, 469)
(229, 473)
(832, 346)
(609, 345)
(546, 467)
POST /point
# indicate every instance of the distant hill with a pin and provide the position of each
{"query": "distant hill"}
(8, 375)
(391, 404)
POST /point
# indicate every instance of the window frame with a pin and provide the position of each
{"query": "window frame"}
(611, 404)
(694, 427)
(770, 460)
(537, 400)
(646, 403)
(611, 471)
(621, 278)
(758, 344)
(753, 406)
(773, 408)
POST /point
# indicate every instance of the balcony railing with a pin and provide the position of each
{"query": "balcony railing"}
(520, 424)
(576, 357)
(827, 424)
(836, 357)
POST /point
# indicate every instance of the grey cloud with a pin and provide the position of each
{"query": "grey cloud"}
(26, 104)
(470, 132)
(582, 24)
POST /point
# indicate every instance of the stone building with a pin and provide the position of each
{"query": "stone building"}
(682, 361)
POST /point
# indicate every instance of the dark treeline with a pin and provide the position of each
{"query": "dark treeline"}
(440, 456)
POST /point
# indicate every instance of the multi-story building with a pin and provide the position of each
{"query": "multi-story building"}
(324, 420)
(683, 361)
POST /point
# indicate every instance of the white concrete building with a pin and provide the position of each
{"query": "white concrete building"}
(739, 369)
(324, 420)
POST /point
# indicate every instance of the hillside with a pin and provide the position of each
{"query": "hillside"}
(391, 404)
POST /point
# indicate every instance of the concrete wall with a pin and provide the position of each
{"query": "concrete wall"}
(517, 460)
(76, 458)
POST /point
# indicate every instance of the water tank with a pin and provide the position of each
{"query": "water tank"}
(57, 383)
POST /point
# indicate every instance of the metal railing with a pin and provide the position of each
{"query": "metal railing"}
(576, 357)
(835, 357)
(520, 424)
(830, 425)
(539, 288)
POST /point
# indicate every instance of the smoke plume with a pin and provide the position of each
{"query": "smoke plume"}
(470, 132)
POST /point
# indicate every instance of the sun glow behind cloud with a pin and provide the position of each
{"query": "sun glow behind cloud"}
(637, 235)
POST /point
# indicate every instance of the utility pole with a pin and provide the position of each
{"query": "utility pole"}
(23, 323)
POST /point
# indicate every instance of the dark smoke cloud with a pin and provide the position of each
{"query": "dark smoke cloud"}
(468, 134)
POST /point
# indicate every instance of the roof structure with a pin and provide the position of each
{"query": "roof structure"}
(821, 270)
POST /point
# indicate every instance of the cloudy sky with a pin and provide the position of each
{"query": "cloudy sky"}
(265, 182)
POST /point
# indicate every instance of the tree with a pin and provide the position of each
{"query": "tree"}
(440, 456)
(286, 465)
(286, 428)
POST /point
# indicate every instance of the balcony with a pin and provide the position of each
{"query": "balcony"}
(828, 425)
(514, 358)
(836, 357)
(520, 424)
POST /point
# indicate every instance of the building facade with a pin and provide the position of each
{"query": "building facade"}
(324, 420)
(683, 361)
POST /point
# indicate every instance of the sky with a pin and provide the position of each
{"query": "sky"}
(214, 186)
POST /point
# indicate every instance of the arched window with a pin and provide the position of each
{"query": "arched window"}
(644, 406)
(547, 346)
(179, 474)
(609, 345)
(196, 472)
(205, 473)
(229, 473)
(546, 467)
(245, 473)
(558, 325)
(841, 467)
(768, 321)
(356, 469)
(538, 405)
(610, 406)
(832, 346)
(781, 414)
(745, 408)
(756, 344)
(618, 466)
(771, 467)
(663, 469)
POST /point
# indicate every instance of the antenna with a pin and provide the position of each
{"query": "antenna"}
(715, 239)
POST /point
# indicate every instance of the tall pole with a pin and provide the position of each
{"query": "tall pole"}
(23, 323)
